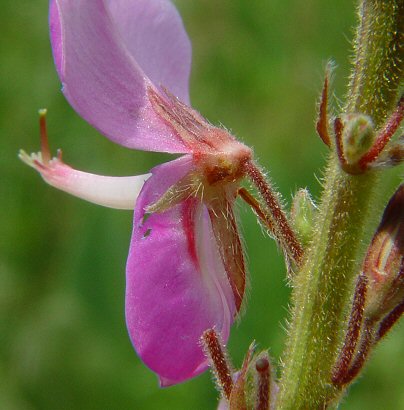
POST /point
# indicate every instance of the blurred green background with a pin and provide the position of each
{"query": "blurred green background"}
(258, 69)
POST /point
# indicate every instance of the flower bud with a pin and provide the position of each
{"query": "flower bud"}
(261, 385)
(384, 262)
(357, 136)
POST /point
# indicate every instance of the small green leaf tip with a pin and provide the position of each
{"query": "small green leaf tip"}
(302, 215)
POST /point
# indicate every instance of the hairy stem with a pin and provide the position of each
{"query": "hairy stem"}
(323, 288)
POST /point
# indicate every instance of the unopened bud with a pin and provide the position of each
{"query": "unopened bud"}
(384, 262)
(261, 387)
(357, 136)
(264, 383)
(302, 215)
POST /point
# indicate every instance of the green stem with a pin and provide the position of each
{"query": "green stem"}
(378, 64)
(323, 288)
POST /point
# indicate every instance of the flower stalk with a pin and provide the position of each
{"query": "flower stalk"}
(353, 331)
(281, 228)
(323, 288)
(219, 361)
(389, 321)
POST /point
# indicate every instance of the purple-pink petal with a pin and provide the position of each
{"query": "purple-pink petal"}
(154, 35)
(55, 32)
(176, 286)
(105, 66)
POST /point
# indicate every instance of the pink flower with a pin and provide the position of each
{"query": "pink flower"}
(124, 66)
